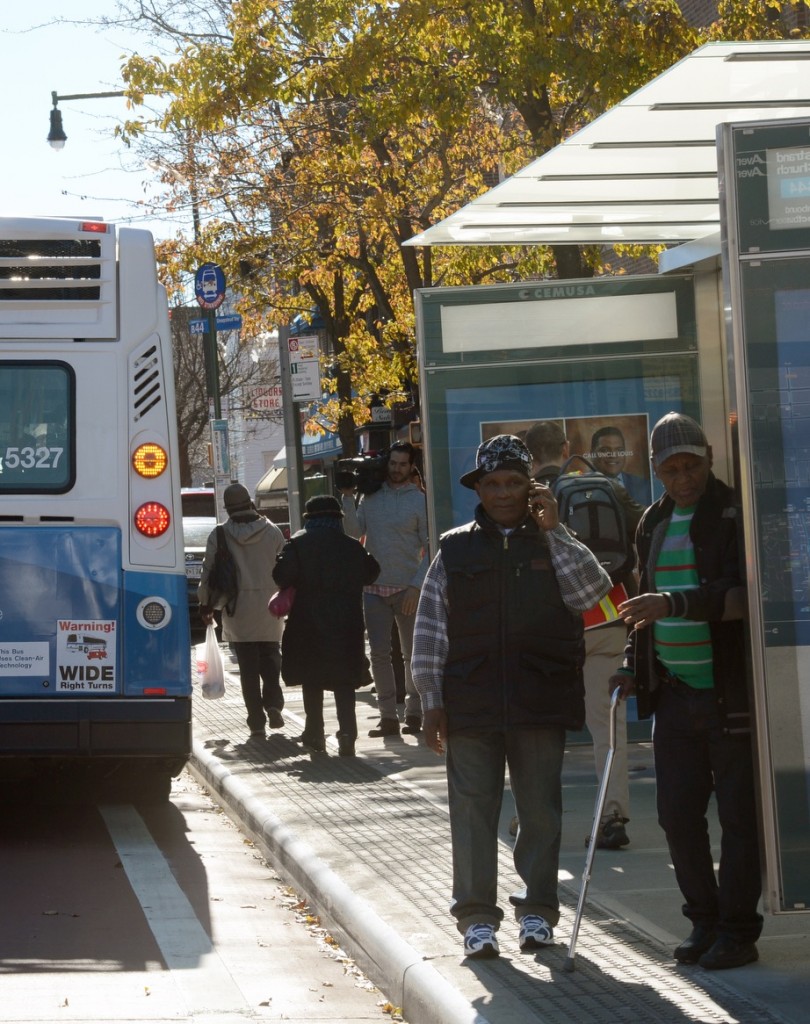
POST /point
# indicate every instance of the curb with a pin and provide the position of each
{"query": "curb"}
(392, 964)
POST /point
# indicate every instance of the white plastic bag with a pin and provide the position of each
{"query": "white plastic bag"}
(210, 666)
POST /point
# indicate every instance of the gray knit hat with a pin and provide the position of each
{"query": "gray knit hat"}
(674, 434)
(502, 452)
(237, 499)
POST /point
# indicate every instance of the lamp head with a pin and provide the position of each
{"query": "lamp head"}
(56, 136)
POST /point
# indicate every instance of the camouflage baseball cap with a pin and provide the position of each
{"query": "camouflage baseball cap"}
(502, 452)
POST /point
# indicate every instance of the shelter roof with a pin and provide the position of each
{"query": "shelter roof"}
(646, 170)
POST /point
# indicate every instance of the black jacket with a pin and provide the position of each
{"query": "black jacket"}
(323, 645)
(515, 650)
(714, 533)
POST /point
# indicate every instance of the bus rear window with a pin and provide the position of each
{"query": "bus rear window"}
(36, 427)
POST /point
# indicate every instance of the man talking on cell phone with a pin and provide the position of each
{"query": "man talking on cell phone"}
(497, 659)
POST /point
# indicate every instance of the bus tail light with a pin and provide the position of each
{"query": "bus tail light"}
(149, 460)
(152, 519)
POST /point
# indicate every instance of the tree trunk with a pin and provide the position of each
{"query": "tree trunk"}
(569, 261)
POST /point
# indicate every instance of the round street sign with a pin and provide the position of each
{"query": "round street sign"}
(209, 285)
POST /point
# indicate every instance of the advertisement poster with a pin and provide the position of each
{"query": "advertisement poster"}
(614, 445)
(617, 442)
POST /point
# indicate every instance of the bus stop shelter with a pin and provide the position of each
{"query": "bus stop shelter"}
(711, 160)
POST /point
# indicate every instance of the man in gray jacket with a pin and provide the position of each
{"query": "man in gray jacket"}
(252, 632)
(394, 523)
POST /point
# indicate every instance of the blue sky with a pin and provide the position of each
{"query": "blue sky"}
(95, 174)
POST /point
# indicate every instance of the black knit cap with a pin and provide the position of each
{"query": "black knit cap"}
(323, 505)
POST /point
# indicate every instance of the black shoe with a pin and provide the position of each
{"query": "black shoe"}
(413, 725)
(728, 952)
(611, 834)
(275, 718)
(345, 746)
(385, 727)
(316, 743)
(699, 940)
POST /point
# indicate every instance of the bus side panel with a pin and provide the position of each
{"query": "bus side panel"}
(156, 658)
(60, 605)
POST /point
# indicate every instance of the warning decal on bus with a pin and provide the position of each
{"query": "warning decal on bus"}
(85, 656)
(24, 659)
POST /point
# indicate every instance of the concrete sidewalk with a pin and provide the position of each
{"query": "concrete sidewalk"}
(367, 841)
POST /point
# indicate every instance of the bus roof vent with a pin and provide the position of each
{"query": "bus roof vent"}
(57, 278)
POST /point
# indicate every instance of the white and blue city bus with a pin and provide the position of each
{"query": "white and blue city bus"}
(94, 632)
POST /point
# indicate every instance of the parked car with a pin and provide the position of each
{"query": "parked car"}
(196, 530)
(198, 501)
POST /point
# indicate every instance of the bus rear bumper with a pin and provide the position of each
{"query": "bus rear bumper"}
(157, 729)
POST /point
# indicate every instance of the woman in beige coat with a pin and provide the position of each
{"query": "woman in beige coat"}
(253, 634)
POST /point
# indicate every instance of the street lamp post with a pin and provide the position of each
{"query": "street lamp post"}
(56, 136)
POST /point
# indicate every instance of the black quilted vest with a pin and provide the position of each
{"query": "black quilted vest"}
(516, 652)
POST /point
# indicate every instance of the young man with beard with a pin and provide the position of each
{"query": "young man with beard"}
(394, 522)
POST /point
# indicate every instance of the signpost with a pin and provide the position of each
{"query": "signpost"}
(300, 382)
(305, 367)
(209, 287)
(219, 447)
(231, 322)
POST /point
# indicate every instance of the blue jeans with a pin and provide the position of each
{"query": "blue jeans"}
(381, 613)
(475, 779)
(259, 670)
(693, 756)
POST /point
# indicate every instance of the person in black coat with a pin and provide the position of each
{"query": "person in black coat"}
(323, 646)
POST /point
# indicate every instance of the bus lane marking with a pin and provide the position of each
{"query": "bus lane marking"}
(199, 972)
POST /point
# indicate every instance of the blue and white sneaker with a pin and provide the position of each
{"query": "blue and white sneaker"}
(535, 931)
(480, 941)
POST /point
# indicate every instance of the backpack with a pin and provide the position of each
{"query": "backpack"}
(591, 509)
(223, 585)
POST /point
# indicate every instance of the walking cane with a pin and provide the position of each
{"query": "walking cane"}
(597, 818)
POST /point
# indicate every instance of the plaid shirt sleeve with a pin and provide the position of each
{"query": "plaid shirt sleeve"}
(581, 579)
(430, 642)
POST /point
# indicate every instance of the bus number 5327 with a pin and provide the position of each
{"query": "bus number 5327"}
(94, 645)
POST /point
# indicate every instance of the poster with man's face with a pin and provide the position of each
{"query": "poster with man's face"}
(615, 445)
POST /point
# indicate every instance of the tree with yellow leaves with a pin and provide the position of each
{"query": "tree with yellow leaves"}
(335, 130)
